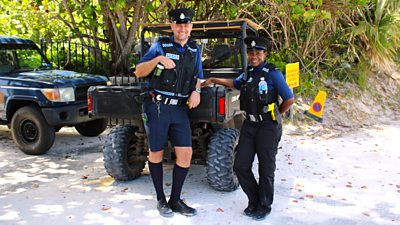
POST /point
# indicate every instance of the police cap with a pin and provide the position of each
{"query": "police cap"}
(181, 15)
(258, 43)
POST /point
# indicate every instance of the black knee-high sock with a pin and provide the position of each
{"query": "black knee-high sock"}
(178, 178)
(156, 172)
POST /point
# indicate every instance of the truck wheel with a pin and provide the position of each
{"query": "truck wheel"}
(220, 160)
(30, 131)
(92, 128)
(125, 152)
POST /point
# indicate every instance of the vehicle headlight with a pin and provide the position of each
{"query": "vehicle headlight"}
(59, 94)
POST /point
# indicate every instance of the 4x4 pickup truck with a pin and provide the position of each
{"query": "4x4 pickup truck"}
(215, 122)
(36, 100)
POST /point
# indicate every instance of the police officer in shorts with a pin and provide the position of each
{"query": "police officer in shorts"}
(262, 128)
(174, 67)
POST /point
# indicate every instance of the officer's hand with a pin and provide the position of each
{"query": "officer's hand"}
(194, 100)
(206, 82)
(167, 63)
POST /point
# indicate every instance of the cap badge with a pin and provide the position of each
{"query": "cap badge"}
(182, 16)
(253, 43)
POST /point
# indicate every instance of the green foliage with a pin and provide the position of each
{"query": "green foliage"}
(338, 38)
(230, 11)
(309, 85)
(30, 19)
(279, 59)
(375, 37)
(28, 58)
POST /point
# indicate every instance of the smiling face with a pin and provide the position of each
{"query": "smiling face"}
(256, 57)
(181, 31)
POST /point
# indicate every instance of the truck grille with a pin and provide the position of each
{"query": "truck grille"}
(81, 93)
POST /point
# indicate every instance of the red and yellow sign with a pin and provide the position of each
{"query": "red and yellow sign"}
(317, 107)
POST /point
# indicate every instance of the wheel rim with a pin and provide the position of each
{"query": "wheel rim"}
(29, 131)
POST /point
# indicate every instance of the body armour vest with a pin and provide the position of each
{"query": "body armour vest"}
(251, 100)
(182, 78)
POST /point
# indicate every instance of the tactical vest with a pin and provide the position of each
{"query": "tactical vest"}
(182, 78)
(250, 99)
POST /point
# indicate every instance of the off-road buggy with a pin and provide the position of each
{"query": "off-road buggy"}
(215, 122)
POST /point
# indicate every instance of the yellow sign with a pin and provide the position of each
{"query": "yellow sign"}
(293, 74)
(317, 107)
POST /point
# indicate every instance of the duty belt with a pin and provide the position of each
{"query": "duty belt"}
(169, 100)
(258, 117)
(265, 115)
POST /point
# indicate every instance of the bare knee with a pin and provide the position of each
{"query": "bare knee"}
(183, 156)
(156, 157)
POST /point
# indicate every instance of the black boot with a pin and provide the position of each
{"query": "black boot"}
(262, 212)
(164, 208)
(250, 210)
(181, 207)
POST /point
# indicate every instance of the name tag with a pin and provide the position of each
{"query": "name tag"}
(166, 45)
(172, 56)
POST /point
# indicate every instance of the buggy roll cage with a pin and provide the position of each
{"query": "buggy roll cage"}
(209, 29)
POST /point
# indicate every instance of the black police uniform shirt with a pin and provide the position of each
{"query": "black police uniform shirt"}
(274, 81)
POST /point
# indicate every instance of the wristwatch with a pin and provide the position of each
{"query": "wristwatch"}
(198, 90)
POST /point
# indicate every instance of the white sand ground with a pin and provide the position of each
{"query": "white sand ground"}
(352, 179)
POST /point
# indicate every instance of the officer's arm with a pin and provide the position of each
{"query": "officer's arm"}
(194, 98)
(198, 83)
(283, 90)
(143, 69)
(150, 60)
(285, 106)
(226, 82)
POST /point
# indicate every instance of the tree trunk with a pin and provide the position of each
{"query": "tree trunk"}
(122, 38)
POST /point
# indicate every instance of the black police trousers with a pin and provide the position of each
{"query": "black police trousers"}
(259, 138)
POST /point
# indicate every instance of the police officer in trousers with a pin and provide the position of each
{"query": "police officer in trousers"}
(262, 128)
(174, 67)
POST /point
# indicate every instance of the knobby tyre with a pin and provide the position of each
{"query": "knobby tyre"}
(125, 152)
(220, 158)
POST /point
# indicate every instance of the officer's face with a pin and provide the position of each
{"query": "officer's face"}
(256, 57)
(181, 31)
